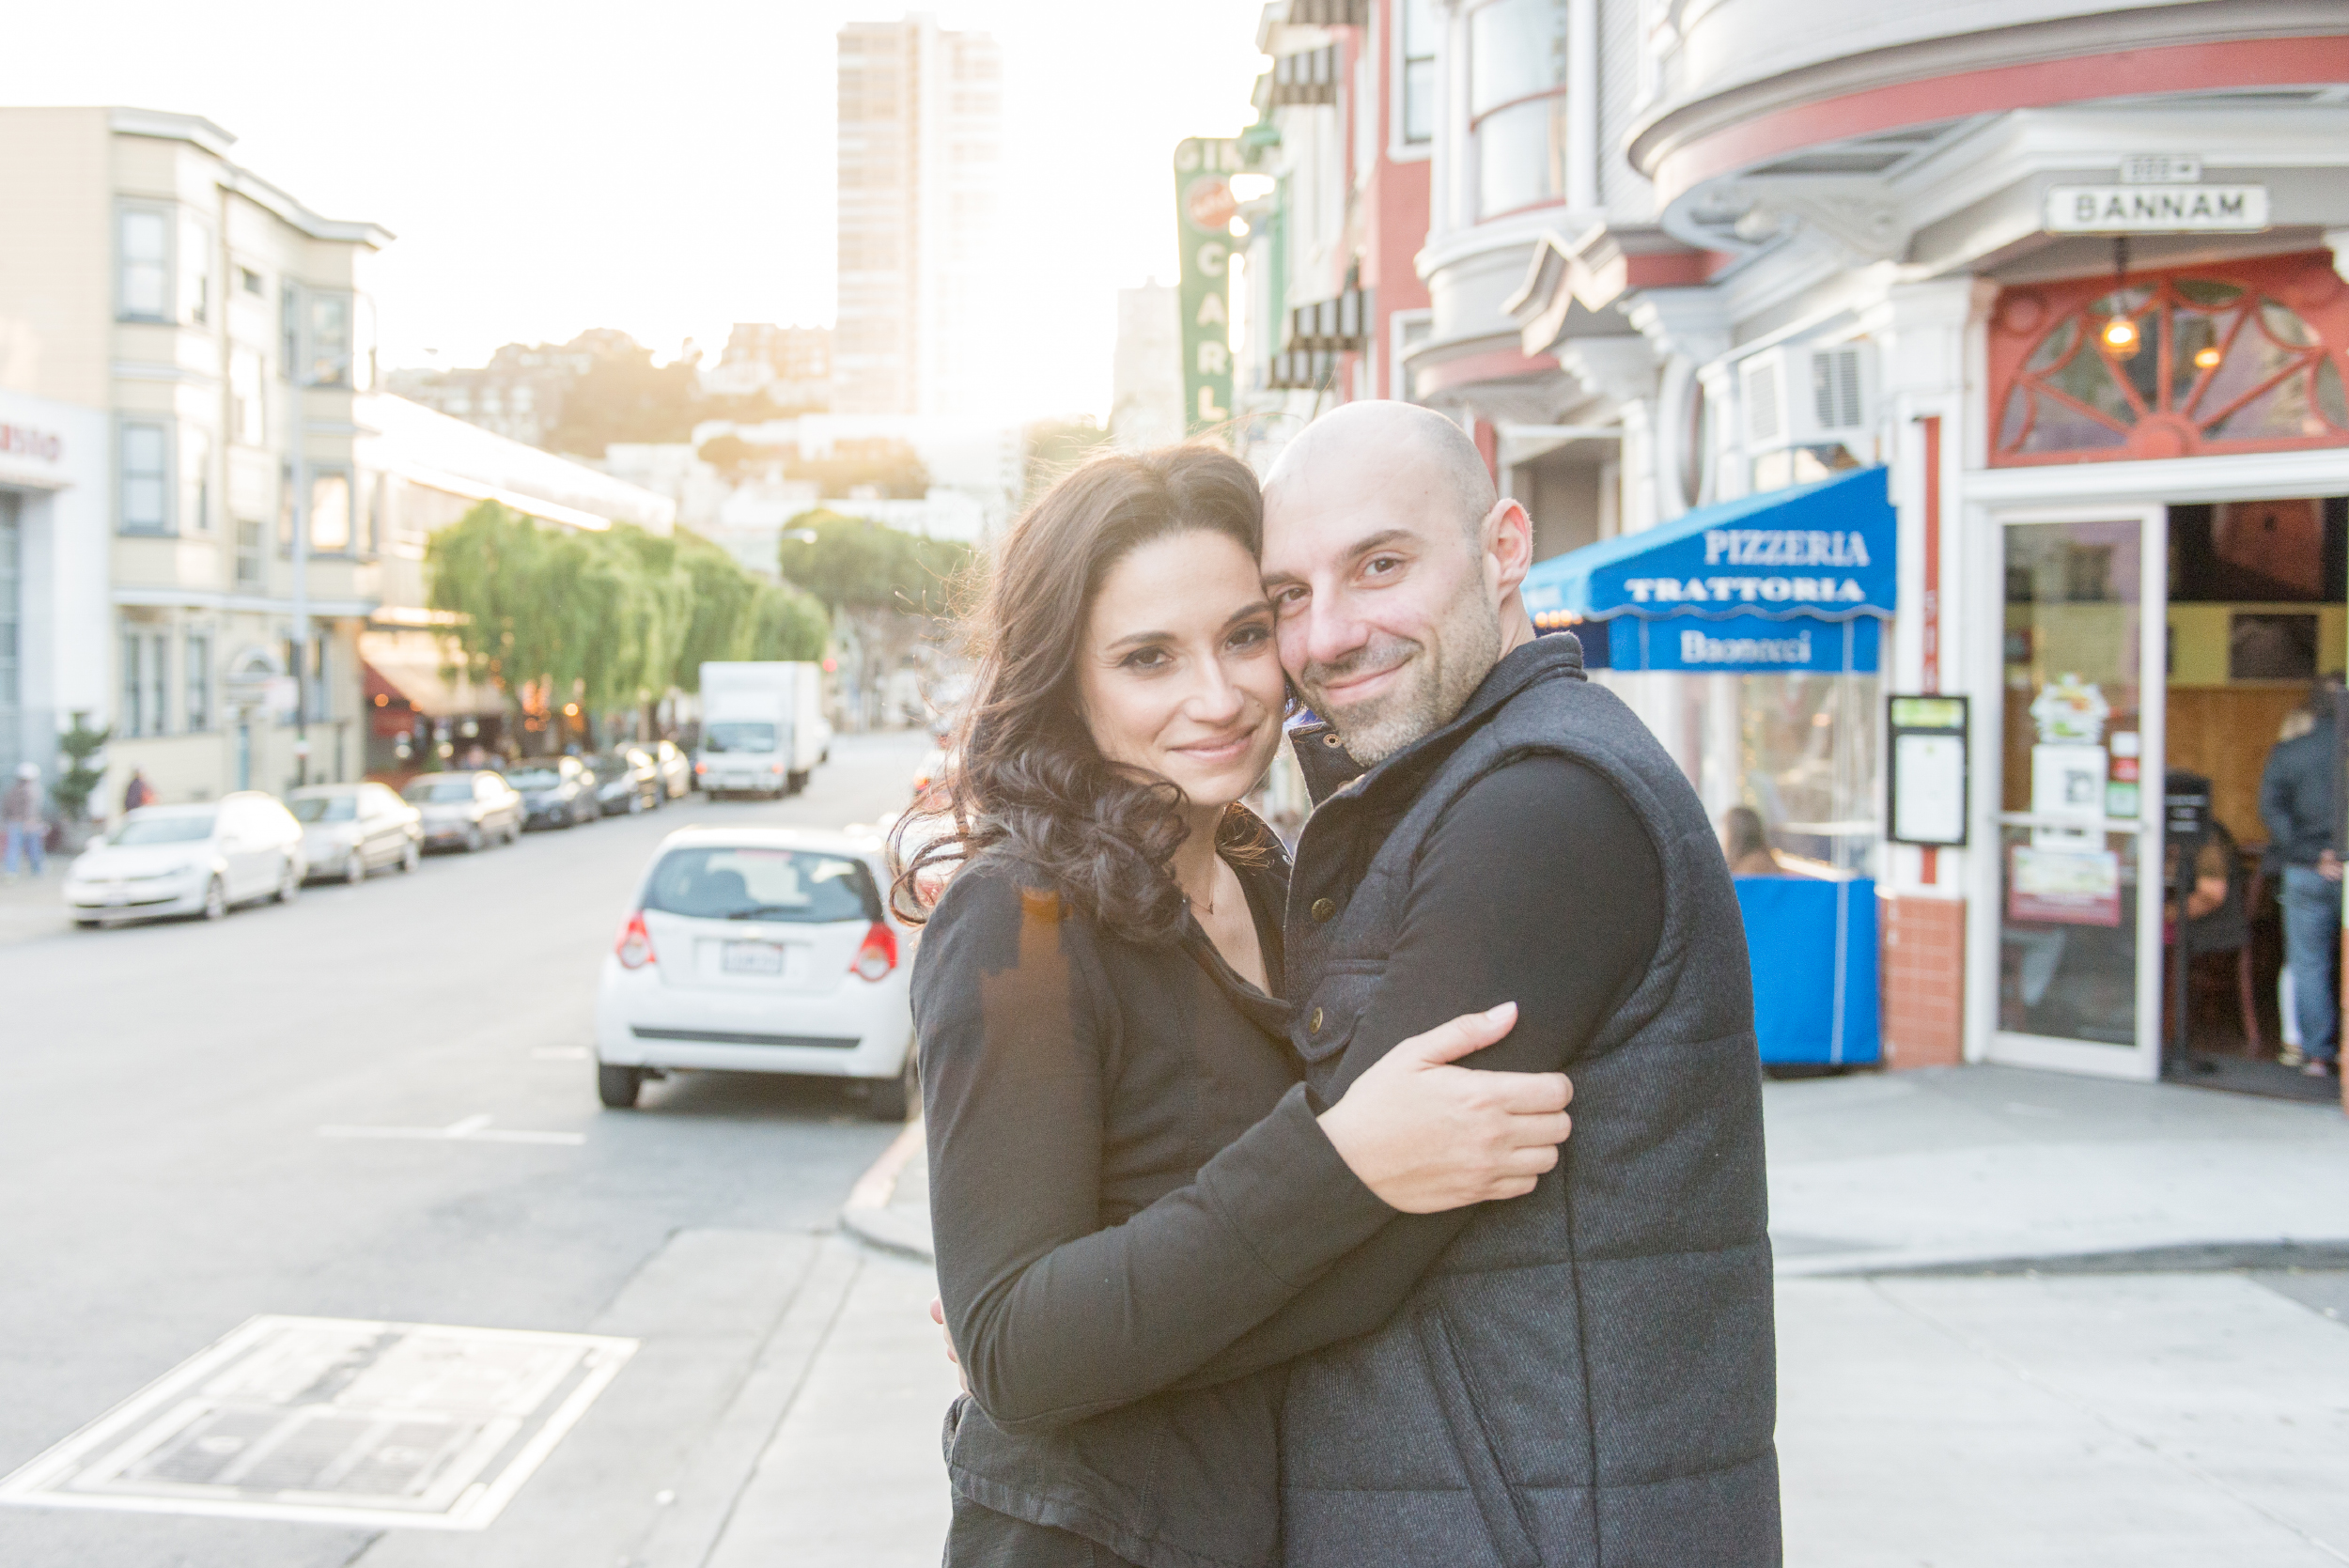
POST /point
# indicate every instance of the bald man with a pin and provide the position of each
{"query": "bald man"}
(1586, 1375)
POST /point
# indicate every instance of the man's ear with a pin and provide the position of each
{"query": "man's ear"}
(1508, 544)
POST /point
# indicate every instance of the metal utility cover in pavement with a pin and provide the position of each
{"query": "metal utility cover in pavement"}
(335, 1421)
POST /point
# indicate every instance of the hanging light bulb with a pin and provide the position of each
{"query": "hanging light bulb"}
(2121, 337)
(2206, 357)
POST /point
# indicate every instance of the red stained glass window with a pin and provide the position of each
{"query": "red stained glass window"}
(2241, 358)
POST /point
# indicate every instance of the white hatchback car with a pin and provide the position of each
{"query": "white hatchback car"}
(189, 860)
(760, 951)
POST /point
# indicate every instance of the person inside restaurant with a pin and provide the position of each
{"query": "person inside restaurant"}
(2298, 804)
(1746, 843)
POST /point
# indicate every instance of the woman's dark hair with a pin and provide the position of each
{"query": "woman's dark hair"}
(1023, 776)
(1747, 836)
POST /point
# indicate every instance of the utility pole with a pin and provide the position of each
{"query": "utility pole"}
(300, 576)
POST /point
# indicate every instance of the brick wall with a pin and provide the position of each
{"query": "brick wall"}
(1924, 981)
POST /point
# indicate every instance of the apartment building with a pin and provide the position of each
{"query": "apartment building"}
(921, 132)
(206, 509)
(791, 366)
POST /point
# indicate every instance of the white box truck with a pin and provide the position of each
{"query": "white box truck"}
(763, 728)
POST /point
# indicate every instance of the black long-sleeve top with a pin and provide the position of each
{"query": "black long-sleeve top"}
(1125, 1176)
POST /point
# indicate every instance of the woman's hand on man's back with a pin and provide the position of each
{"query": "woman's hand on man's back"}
(1427, 1136)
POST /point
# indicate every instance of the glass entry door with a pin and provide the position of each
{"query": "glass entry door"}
(2083, 661)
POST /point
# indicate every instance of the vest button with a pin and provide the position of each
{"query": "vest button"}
(1324, 908)
(1313, 1025)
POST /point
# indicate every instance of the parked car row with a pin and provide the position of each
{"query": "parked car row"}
(209, 857)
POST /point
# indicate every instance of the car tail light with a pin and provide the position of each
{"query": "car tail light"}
(635, 946)
(776, 769)
(701, 768)
(878, 956)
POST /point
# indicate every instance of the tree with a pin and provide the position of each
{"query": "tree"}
(890, 584)
(786, 624)
(856, 564)
(624, 396)
(79, 781)
(609, 620)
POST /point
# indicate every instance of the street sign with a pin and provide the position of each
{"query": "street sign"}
(1203, 206)
(2156, 209)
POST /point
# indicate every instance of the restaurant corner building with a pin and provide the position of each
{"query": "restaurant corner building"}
(2064, 285)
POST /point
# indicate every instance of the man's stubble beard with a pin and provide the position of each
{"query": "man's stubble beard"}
(1437, 683)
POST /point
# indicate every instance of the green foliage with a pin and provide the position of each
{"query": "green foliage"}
(855, 564)
(1057, 446)
(788, 625)
(79, 781)
(624, 396)
(610, 620)
(888, 467)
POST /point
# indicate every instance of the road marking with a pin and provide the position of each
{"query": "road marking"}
(558, 1053)
(331, 1420)
(470, 1129)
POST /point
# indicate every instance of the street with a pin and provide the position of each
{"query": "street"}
(184, 1145)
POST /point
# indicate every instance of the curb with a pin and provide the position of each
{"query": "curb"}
(867, 1215)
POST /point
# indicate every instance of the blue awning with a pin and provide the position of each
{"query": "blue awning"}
(1823, 551)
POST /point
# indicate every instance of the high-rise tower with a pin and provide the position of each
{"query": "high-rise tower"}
(920, 130)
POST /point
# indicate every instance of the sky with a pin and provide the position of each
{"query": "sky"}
(666, 170)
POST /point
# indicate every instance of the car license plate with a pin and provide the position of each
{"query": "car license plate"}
(752, 958)
(118, 895)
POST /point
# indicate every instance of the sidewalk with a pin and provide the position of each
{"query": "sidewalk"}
(34, 905)
(2024, 1319)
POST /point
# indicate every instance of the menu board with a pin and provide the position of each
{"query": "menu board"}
(1928, 786)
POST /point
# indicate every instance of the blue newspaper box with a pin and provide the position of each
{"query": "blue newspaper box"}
(1813, 947)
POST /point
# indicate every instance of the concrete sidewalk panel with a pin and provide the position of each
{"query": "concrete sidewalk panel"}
(854, 1478)
(2071, 1424)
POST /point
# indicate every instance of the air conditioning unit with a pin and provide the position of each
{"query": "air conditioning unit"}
(1802, 396)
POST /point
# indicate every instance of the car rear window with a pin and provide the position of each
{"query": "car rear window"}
(326, 807)
(799, 886)
(439, 792)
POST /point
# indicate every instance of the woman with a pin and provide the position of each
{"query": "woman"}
(1126, 1176)
(1746, 844)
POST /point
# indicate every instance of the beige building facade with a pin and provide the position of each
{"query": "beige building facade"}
(256, 510)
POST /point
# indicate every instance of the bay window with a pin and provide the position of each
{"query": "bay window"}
(1518, 104)
(143, 286)
(1415, 51)
(330, 513)
(197, 662)
(145, 479)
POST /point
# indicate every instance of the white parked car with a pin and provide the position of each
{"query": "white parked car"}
(189, 860)
(348, 830)
(760, 951)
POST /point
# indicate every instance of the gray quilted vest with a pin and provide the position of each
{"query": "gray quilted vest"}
(1588, 1375)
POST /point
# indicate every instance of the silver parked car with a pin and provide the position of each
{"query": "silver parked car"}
(348, 830)
(466, 811)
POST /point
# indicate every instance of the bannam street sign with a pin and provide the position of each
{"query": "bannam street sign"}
(2155, 209)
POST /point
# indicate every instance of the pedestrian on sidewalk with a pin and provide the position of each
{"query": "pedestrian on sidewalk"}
(2300, 805)
(24, 821)
(138, 792)
(1096, 996)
